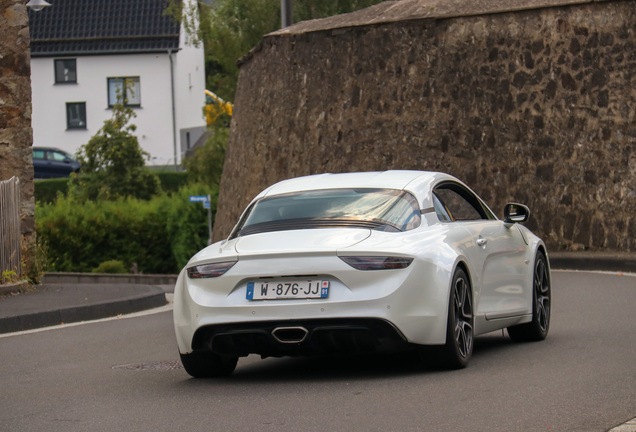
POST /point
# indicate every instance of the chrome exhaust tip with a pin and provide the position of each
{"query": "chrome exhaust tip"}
(290, 335)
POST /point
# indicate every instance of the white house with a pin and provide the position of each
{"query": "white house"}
(81, 53)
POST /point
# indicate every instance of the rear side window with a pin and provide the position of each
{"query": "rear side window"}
(58, 156)
(453, 202)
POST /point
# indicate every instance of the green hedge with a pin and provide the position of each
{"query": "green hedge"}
(159, 235)
(172, 181)
(45, 191)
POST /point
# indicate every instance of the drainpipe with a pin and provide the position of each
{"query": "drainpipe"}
(174, 114)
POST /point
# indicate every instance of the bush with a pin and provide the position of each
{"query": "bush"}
(34, 258)
(172, 181)
(113, 163)
(112, 266)
(206, 165)
(80, 236)
(45, 191)
(187, 223)
(159, 235)
(115, 210)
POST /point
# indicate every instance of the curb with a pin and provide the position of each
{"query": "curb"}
(143, 298)
(13, 288)
(108, 278)
(600, 261)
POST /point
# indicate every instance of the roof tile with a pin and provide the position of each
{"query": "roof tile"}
(75, 27)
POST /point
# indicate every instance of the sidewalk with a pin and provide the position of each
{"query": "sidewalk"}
(73, 297)
(54, 304)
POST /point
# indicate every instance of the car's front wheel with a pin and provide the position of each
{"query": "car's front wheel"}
(537, 329)
(205, 364)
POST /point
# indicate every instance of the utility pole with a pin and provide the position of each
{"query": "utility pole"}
(286, 18)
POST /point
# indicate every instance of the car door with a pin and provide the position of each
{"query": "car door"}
(59, 164)
(40, 164)
(496, 253)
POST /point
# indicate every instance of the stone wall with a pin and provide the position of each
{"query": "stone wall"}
(16, 135)
(536, 106)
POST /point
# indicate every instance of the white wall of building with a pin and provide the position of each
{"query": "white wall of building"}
(154, 119)
(189, 92)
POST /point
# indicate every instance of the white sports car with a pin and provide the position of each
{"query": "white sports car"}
(360, 262)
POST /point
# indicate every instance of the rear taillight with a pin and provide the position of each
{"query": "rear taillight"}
(377, 262)
(209, 270)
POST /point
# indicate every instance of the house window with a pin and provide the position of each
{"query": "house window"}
(65, 71)
(126, 89)
(76, 115)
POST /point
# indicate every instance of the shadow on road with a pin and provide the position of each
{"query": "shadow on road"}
(348, 367)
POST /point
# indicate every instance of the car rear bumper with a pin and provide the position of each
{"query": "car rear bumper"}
(299, 337)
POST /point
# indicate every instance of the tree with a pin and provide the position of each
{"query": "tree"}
(236, 26)
(206, 165)
(230, 28)
(113, 163)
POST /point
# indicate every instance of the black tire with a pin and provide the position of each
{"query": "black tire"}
(205, 364)
(537, 329)
(458, 350)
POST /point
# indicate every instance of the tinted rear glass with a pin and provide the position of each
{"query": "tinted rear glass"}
(381, 209)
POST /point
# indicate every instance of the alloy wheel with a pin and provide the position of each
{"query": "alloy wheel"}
(463, 314)
(542, 295)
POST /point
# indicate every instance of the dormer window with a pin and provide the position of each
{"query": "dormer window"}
(126, 89)
(65, 71)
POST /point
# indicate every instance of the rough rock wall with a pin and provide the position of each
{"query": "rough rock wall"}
(535, 106)
(16, 135)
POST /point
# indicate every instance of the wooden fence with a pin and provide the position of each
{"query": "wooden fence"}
(10, 262)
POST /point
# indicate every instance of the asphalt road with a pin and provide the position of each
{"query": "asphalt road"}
(124, 375)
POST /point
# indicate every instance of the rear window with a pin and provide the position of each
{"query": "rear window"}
(379, 209)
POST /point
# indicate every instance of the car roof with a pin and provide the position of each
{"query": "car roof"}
(51, 148)
(414, 181)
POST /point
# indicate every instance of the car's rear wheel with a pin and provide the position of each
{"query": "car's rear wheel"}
(205, 364)
(537, 329)
(458, 349)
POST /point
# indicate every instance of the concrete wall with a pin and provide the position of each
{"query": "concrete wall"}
(536, 106)
(15, 108)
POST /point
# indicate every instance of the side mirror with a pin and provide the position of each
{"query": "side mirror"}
(516, 213)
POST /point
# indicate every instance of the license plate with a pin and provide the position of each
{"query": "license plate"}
(290, 289)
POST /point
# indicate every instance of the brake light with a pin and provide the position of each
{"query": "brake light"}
(377, 262)
(209, 270)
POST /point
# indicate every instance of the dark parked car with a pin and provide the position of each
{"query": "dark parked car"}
(52, 162)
